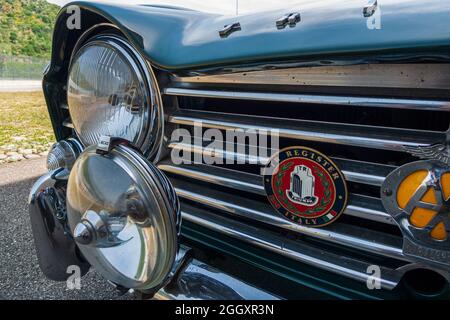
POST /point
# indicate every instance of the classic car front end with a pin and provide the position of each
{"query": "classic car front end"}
(168, 121)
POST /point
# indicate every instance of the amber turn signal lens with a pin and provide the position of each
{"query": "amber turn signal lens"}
(421, 217)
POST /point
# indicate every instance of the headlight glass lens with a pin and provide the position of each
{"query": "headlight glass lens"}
(107, 94)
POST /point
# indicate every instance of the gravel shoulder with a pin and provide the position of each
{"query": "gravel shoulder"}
(25, 127)
(20, 276)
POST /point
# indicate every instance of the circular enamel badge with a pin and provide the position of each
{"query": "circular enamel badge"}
(305, 186)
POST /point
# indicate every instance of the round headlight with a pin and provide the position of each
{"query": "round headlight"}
(112, 92)
(124, 215)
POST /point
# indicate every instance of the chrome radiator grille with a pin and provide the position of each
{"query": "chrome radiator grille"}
(231, 200)
(362, 117)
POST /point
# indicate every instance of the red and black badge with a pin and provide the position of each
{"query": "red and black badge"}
(305, 186)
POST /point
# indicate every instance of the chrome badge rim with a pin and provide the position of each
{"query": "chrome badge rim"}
(305, 187)
(419, 240)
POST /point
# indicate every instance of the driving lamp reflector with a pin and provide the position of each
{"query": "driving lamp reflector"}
(111, 92)
(123, 214)
(63, 154)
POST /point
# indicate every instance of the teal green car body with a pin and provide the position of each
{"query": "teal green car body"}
(176, 39)
(188, 42)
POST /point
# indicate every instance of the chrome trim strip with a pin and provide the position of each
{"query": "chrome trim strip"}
(364, 172)
(359, 206)
(342, 234)
(417, 104)
(295, 250)
(219, 176)
(199, 281)
(369, 208)
(354, 171)
(383, 75)
(206, 151)
(345, 134)
(363, 178)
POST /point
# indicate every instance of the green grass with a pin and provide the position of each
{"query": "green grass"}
(24, 120)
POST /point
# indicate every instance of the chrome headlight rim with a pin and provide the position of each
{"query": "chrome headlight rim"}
(150, 138)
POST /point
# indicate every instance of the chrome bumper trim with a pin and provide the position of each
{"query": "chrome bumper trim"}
(42, 183)
(199, 281)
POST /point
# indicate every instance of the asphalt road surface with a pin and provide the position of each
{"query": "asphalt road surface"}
(20, 276)
(20, 85)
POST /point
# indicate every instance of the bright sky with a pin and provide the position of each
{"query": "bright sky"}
(226, 7)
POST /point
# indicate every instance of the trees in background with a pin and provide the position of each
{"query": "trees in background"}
(26, 27)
